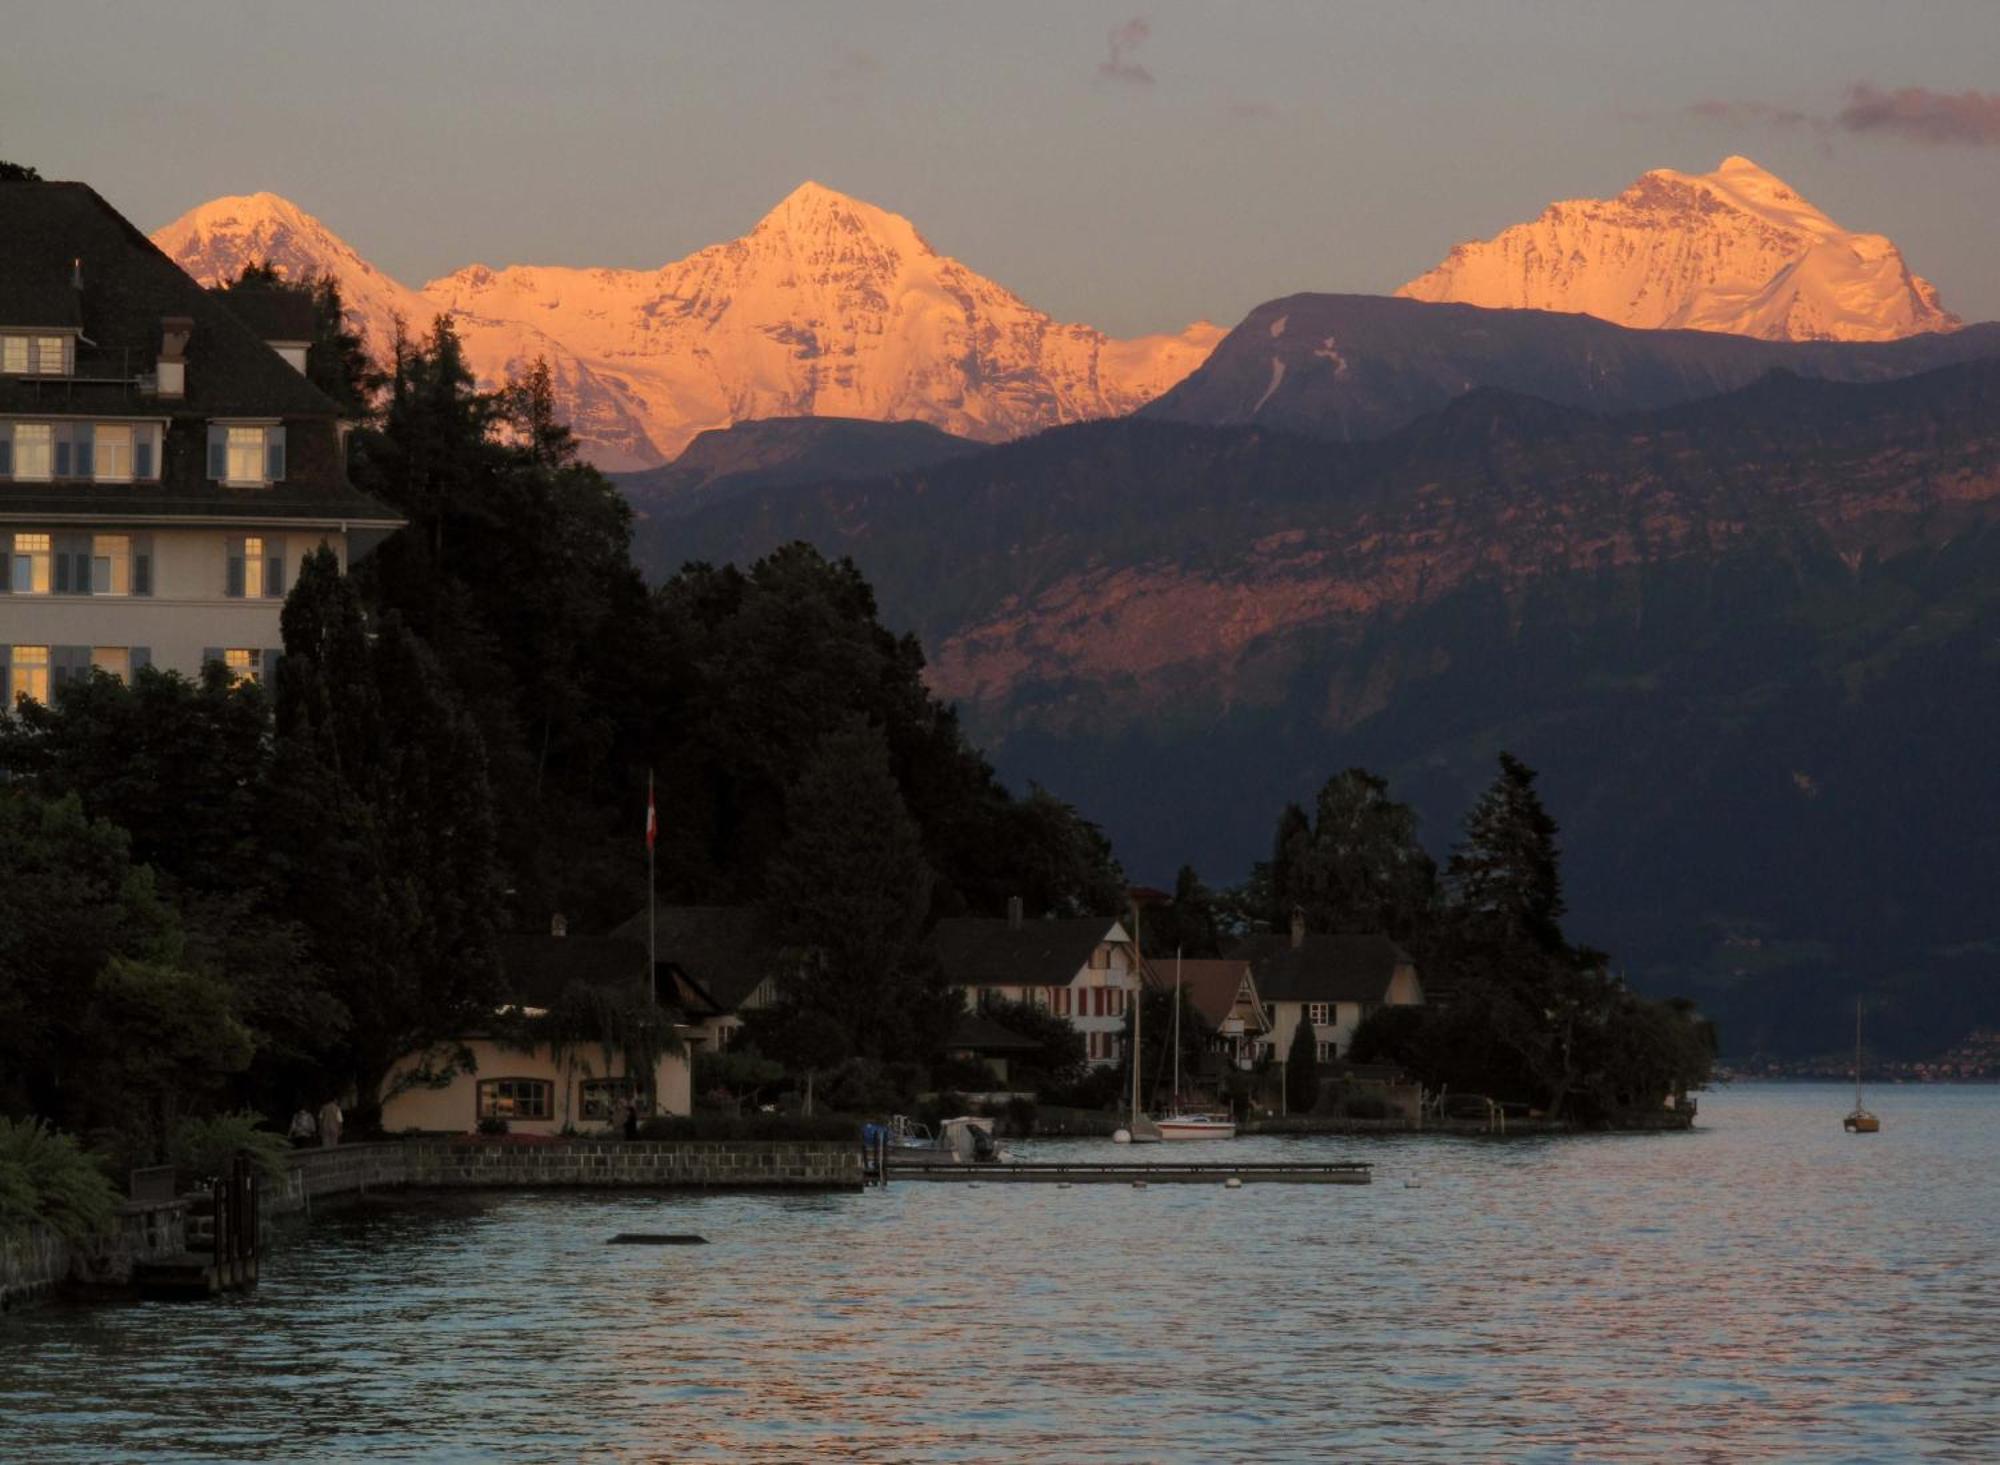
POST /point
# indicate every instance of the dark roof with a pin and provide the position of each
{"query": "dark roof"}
(978, 1033)
(129, 286)
(986, 952)
(1321, 968)
(534, 970)
(726, 949)
(274, 314)
(1211, 985)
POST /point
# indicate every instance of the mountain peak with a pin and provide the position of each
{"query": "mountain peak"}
(814, 210)
(1736, 250)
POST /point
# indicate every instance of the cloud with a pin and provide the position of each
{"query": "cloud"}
(1121, 63)
(1922, 115)
(1912, 113)
(1253, 111)
(1742, 114)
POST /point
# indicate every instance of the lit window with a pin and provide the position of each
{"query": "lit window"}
(246, 455)
(14, 354)
(245, 664)
(49, 356)
(605, 1098)
(111, 564)
(30, 672)
(253, 567)
(29, 574)
(114, 659)
(516, 1098)
(34, 449)
(113, 454)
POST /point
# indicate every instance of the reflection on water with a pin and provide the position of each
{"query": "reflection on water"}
(1767, 1288)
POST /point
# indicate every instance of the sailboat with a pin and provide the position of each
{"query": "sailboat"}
(1142, 1130)
(1181, 1124)
(1860, 1121)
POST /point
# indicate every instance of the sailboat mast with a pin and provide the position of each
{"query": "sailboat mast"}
(1857, 1052)
(1138, 1011)
(1177, 1029)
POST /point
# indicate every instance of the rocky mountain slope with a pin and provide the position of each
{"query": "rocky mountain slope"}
(829, 307)
(1735, 250)
(1749, 640)
(1357, 366)
(774, 451)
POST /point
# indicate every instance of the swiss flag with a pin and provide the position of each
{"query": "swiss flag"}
(652, 815)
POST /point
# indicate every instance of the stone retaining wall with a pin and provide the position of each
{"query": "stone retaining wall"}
(355, 1170)
(35, 1262)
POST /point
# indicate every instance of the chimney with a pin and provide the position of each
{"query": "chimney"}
(174, 333)
(558, 926)
(1298, 927)
(1013, 912)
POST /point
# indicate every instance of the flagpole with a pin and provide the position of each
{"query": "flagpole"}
(652, 917)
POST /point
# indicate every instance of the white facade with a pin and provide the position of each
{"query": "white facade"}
(169, 604)
(534, 1092)
(1095, 1000)
(1334, 1022)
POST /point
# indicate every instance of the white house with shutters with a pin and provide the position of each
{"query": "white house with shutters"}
(163, 469)
(1085, 969)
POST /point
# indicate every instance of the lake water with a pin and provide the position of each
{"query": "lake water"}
(1767, 1288)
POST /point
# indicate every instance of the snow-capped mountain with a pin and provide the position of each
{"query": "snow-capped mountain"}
(1735, 250)
(829, 307)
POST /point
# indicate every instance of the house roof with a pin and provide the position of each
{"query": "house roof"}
(978, 951)
(129, 287)
(274, 314)
(976, 1032)
(726, 949)
(1322, 968)
(536, 969)
(1211, 984)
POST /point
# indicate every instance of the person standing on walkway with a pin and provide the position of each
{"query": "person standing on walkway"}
(329, 1123)
(305, 1129)
(631, 1119)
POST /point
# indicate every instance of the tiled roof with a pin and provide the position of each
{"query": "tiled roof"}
(725, 949)
(536, 969)
(987, 952)
(129, 287)
(1321, 968)
(1211, 984)
(275, 315)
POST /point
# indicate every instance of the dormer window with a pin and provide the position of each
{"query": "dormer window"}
(244, 456)
(34, 355)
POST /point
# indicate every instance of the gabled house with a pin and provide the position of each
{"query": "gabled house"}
(1334, 981)
(1225, 995)
(1085, 969)
(718, 959)
(163, 470)
(540, 1089)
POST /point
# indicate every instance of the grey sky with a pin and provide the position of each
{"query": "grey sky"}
(1133, 175)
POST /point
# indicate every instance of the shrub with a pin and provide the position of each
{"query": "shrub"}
(1098, 1089)
(866, 1086)
(1021, 1115)
(203, 1149)
(1365, 1106)
(748, 1127)
(44, 1177)
(493, 1124)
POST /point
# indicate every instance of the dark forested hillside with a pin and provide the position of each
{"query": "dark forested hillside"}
(1753, 643)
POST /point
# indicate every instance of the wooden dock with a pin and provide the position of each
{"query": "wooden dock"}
(1197, 1172)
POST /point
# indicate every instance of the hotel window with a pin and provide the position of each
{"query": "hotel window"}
(256, 567)
(245, 665)
(516, 1098)
(1316, 1013)
(29, 572)
(49, 356)
(34, 450)
(246, 456)
(1325, 1052)
(117, 660)
(604, 1098)
(13, 354)
(111, 564)
(114, 453)
(28, 673)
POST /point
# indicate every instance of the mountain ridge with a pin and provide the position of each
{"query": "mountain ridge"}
(828, 306)
(1736, 250)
